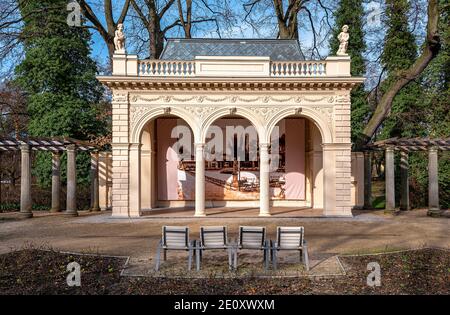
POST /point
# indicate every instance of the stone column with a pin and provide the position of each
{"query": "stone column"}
(25, 182)
(367, 180)
(433, 182)
(95, 201)
(264, 180)
(71, 203)
(199, 180)
(404, 181)
(390, 178)
(135, 179)
(56, 182)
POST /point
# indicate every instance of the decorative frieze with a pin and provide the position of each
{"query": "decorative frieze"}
(238, 99)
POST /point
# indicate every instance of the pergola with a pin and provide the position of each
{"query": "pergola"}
(56, 146)
(404, 146)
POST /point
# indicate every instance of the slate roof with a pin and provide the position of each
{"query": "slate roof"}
(276, 49)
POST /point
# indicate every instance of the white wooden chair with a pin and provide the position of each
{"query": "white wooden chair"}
(214, 237)
(290, 238)
(174, 238)
(253, 237)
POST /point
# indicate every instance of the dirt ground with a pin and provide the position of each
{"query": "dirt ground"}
(424, 271)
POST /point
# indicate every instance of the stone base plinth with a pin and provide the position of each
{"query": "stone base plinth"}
(25, 215)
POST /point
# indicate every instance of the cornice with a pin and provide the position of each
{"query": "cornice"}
(229, 84)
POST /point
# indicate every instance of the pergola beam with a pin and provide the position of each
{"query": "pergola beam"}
(413, 144)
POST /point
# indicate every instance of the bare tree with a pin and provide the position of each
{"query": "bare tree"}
(105, 31)
(204, 12)
(11, 31)
(150, 15)
(260, 13)
(13, 111)
(161, 17)
(186, 22)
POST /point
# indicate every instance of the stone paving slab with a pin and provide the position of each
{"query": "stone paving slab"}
(215, 265)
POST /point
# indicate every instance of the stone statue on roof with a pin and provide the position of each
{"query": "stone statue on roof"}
(119, 39)
(343, 38)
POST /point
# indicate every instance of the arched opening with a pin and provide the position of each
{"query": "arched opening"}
(231, 162)
(167, 164)
(296, 164)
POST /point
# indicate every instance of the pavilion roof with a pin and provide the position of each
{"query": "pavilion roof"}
(188, 49)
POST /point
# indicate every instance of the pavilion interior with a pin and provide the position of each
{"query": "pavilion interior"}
(168, 165)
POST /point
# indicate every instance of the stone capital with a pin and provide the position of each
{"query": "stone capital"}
(71, 147)
(433, 149)
(264, 146)
(25, 147)
(336, 146)
(135, 146)
(199, 146)
(390, 149)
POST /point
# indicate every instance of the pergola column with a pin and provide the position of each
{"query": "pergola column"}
(390, 178)
(25, 182)
(367, 180)
(56, 181)
(433, 181)
(404, 181)
(95, 202)
(264, 180)
(199, 180)
(71, 204)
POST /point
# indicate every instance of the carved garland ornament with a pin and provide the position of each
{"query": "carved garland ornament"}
(233, 99)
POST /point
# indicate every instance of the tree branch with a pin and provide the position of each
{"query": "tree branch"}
(431, 50)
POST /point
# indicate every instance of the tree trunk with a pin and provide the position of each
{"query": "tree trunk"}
(156, 39)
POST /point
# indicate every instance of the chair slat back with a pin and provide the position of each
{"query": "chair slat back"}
(252, 236)
(214, 236)
(290, 237)
(175, 236)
